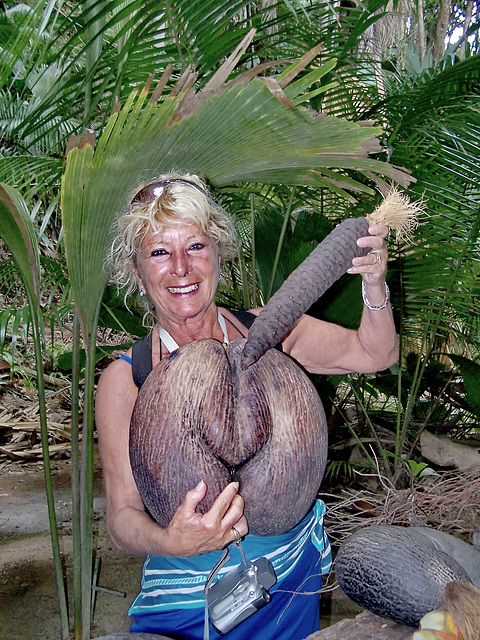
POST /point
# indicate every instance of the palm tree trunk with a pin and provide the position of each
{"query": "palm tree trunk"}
(468, 19)
(420, 30)
(441, 30)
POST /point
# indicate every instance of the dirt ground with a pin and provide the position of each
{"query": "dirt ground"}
(28, 599)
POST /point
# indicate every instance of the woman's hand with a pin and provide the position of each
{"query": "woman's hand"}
(373, 266)
(191, 533)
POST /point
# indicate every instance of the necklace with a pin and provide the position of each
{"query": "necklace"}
(170, 343)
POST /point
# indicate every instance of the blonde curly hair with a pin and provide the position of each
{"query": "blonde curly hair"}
(171, 200)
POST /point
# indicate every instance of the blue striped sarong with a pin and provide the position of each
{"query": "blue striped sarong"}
(171, 599)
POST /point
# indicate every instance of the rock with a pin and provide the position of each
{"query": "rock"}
(442, 451)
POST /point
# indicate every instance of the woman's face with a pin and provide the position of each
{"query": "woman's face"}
(179, 270)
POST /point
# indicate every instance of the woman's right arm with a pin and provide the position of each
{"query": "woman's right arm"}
(129, 526)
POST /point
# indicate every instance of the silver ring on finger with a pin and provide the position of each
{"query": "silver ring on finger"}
(378, 259)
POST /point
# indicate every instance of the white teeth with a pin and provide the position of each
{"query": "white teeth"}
(192, 287)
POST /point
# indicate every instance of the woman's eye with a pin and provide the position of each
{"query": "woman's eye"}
(159, 252)
(196, 246)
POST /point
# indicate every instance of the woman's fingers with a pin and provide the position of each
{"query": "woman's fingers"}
(374, 263)
(227, 512)
(229, 504)
(191, 533)
(235, 518)
(195, 496)
(378, 230)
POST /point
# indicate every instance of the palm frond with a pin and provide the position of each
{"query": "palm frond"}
(15, 324)
(17, 231)
(440, 272)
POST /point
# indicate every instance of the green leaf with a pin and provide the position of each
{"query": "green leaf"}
(300, 86)
(114, 316)
(470, 371)
(65, 360)
(417, 467)
(16, 229)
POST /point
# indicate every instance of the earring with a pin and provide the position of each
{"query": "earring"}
(141, 292)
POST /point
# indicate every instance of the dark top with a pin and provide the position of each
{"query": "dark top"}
(142, 350)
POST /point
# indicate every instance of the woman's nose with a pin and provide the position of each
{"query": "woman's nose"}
(181, 265)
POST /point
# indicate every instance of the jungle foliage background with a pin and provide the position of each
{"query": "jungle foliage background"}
(385, 92)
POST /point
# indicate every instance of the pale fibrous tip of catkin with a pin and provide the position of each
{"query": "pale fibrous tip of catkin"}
(398, 213)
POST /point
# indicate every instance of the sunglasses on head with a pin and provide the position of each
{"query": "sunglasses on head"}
(152, 191)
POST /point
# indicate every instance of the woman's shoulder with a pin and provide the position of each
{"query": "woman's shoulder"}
(120, 367)
(117, 380)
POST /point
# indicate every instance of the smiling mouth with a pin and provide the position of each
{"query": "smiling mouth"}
(188, 289)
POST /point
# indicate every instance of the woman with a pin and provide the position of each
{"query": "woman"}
(171, 245)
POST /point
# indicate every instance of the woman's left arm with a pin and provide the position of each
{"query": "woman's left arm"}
(326, 348)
